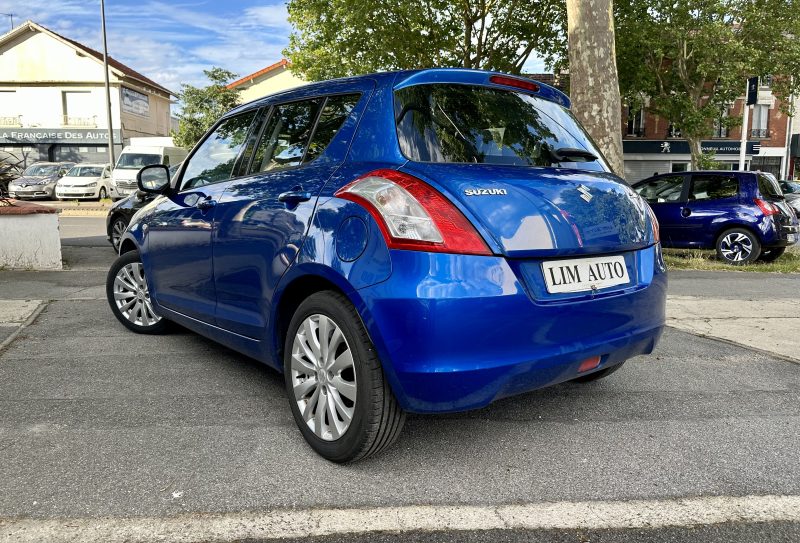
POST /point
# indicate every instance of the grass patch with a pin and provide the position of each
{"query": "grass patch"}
(697, 259)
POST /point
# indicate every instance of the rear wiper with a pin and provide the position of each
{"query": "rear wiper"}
(570, 154)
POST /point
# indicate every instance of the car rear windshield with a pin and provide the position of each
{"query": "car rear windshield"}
(768, 187)
(85, 171)
(136, 161)
(464, 123)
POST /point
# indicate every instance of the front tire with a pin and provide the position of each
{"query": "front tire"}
(337, 391)
(102, 194)
(738, 246)
(129, 297)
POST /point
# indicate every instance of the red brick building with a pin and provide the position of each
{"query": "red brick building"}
(653, 145)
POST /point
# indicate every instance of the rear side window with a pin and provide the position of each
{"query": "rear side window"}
(463, 123)
(333, 116)
(713, 187)
(214, 159)
(661, 190)
(768, 187)
(285, 137)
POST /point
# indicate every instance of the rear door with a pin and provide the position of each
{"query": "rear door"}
(711, 201)
(262, 218)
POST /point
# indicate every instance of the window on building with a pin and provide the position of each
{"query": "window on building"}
(78, 107)
(759, 127)
(673, 131)
(713, 187)
(720, 130)
(765, 81)
(635, 122)
(214, 159)
(286, 136)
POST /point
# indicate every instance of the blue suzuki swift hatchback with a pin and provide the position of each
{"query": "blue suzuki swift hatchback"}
(425, 241)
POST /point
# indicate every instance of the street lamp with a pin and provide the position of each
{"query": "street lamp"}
(108, 88)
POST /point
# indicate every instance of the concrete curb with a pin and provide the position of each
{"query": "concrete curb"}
(30, 320)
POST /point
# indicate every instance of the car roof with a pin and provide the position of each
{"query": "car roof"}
(398, 78)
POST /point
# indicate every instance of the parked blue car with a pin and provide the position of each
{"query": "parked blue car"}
(425, 241)
(743, 215)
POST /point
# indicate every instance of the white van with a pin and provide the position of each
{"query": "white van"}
(141, 152)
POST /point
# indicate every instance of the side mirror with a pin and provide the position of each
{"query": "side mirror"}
(153, 179)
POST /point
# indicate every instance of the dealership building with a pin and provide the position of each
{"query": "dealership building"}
(53, 105)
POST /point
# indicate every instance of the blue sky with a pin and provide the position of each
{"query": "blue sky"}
(172, 42)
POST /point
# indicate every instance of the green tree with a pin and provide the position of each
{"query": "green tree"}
(336, 38)
(688, 60)
(203, 106)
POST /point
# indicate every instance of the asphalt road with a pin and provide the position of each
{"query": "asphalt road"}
(98, 422)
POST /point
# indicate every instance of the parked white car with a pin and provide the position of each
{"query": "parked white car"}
(85, 181)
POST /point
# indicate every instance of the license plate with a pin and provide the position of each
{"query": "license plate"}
(792, 238)
(584, 274)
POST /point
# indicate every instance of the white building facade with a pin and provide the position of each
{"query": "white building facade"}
(52, 99)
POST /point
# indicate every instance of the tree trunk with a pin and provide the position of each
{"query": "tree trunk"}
(696, 150)
(594, 87)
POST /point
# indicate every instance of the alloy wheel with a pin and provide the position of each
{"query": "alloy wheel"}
(323, 377)
(132, 297)
(117, 229)
(736, 247)
(102, 195)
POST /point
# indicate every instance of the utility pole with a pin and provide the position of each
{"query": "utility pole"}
(108, 87)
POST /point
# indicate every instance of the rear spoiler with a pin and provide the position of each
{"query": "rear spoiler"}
(479, 77)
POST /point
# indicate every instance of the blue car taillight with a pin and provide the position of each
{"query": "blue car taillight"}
(413, 215)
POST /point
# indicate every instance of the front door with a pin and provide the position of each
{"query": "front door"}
(262, 219)
(178, 251)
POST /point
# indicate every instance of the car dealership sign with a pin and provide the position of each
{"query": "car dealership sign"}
(720, 147)
(57, 135)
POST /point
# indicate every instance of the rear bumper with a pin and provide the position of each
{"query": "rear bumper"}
(457, 332)
(785, 236)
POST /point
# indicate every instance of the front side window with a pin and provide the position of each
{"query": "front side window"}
(213, 161)
(464, 123)
(713, 187)
(285, 137)
(136, 161)
(661, 190)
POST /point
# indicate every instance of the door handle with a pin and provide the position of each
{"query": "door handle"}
(685, 212)
(206, 204)
(294, 196)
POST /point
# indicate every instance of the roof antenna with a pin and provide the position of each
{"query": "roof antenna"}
(10, 16)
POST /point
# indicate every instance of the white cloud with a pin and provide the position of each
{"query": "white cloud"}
(275, 16)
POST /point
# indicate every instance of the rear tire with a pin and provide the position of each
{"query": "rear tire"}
(337, 391)
(598, 374)
(771, 255)
(738, 246)
(129, 297)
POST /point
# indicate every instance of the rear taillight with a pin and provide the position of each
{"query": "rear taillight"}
(767, 208)
(412, 215)
(656, 226)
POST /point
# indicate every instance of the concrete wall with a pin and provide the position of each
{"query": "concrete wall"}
(30, 242)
